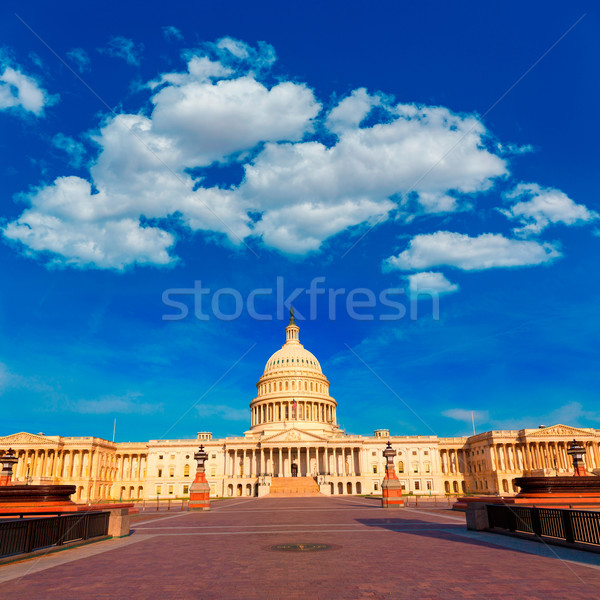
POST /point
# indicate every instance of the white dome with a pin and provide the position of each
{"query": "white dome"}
(293, 357)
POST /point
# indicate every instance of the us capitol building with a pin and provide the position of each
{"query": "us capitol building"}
(294, 432)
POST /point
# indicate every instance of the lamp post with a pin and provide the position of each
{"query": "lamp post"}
(577, 452)
(391, 490)
(8, 461)
(200, 490)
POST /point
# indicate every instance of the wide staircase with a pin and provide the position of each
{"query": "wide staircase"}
(284, 487)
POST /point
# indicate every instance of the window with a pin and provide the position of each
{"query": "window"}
(427, 468)
(160, 457)
(187, 455)
(415, 467)
(429, 485)
(172, 457)
(213, 471)
(414, 452)
(403, 485)
(213, 456)
(186, 489)
(375, 485)
(417, 485)
(373, 453)
(170, 489)
(172, 472)
(160, 472)
(374, 469)
(400, 467)
(426, 453)
(158, 490)
(186, 471)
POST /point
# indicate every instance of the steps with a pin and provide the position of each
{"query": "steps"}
(285, 487)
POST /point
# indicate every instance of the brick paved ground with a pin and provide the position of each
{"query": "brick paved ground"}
(415, 554)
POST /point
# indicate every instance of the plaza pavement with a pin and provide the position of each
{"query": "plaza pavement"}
(413, 553)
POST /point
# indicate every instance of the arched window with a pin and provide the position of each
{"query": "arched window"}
(186, 471)
(401, 467)
(455, 486)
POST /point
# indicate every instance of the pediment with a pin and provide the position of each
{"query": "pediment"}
(26, 438)
(294, 435)
(562, 430)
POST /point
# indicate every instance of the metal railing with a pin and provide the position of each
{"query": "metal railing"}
(581, 526)
(20, 536)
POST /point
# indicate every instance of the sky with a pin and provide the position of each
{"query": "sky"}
(418, 179)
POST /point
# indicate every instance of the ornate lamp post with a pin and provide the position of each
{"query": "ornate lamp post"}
(200, 490)
(8, 461)
(391, 490)
(577, 452)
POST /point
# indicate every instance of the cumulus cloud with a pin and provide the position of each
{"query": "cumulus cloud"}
(539, 207)
(122, 47)
(81, 59)
(308, 174)
(22, 92)
(430, 282)
(486, 251)
(74, 149)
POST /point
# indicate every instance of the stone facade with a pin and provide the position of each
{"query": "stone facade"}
(294, 431)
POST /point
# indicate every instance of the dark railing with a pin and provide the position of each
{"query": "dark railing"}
(18, 536)
(582, 526)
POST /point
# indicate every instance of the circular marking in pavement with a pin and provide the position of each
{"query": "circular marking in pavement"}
(300, 547)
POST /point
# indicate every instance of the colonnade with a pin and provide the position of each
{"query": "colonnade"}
(453, 461)
(277, 461)
(305, 410)
(77, 464)
(514, 457)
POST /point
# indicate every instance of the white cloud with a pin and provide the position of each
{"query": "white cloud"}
(74, 149)
(122, 47)
(351, 111)
(22, 92)
(540, 207)
(171, 32)
(384, 159)
(432, 282)
(486, 251)
(81, 59)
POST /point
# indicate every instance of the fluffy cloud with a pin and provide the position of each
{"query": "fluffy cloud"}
(308, 174)
(431, 282)
(81, 59)
(122, 47)
(540, 207)
(22, 92)
(485, 251)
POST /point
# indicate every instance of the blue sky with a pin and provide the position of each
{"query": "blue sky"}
(448, 151)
